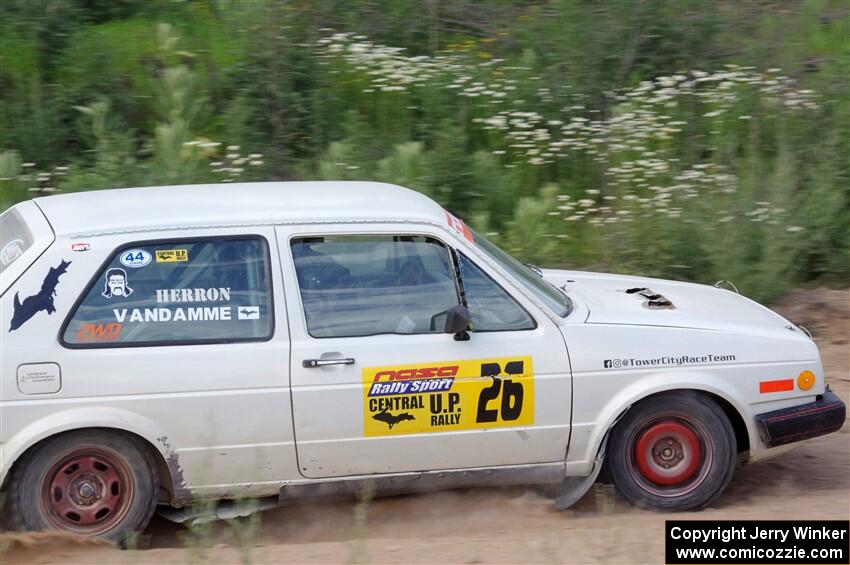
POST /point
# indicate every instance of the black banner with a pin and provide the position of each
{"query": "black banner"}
(693, 542)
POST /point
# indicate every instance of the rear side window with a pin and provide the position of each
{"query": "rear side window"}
(177, 292)
(368, 285)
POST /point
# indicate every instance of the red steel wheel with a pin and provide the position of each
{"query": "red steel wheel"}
(89, 482)
(672, 451)
(88, 491)
(668, 453)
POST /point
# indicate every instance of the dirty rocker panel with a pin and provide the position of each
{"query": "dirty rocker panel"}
(388, 485)
(824, 416)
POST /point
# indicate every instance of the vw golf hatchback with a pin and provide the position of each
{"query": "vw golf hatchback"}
(297, 339)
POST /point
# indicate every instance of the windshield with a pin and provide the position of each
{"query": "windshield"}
(15, 238)
(553, 298)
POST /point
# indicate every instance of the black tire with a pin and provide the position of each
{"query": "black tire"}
(88, 482)
(674, 451)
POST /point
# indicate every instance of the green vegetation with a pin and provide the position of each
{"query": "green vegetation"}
(677, 138)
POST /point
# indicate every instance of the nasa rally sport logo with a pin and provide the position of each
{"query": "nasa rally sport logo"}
(135, 258)
(447, 396)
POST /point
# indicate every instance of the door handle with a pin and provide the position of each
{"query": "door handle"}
(313, 363)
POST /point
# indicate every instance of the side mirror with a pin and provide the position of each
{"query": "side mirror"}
(457, 322)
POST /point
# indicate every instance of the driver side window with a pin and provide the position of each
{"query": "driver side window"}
(492, 309)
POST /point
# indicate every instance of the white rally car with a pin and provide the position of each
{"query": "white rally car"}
(286, 340)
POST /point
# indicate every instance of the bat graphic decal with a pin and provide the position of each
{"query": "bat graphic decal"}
(34, 304)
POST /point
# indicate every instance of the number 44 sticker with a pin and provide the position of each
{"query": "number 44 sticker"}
(135, 258)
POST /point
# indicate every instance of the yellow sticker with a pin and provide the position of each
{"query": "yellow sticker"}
(448, 396)
(172, 255)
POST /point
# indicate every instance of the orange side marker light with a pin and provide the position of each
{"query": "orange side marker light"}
(782, 385)
(806, 380)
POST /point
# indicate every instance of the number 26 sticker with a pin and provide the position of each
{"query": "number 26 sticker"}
(511, 393)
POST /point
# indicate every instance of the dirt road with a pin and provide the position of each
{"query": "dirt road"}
(507, 525)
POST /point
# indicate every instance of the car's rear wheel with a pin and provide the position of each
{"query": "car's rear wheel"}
(673, 451)
(92, 483)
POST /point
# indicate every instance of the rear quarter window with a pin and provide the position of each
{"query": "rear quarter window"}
(176, 293)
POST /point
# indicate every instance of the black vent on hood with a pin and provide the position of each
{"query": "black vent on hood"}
(652, 299)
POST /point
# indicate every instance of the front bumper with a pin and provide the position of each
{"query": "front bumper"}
(823, 416)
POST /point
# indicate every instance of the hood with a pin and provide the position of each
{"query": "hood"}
(619, 299)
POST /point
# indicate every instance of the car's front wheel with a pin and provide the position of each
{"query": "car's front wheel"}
(674, 451)
(91, 482)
